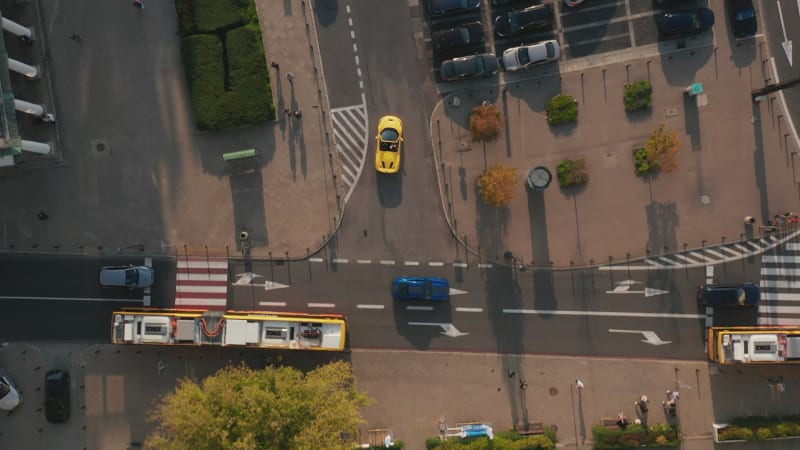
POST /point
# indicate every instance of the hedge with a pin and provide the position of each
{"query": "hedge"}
(760, 428)
(636, 436)
(501, 441)
(206, 16)
(638, 95)
(561, 109)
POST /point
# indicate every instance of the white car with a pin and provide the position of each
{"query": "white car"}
(516, 58)
(10, 397)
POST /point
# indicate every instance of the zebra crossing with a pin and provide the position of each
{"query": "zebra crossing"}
(350, 132)
(201, 283)
(780, 286)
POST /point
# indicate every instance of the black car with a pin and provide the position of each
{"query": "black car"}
(448, 7)
(484, 65)
(56, 396)
(743, 18)
(686, 22)
(522, 20)
(467, 35)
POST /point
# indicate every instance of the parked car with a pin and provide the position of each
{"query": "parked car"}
(447, 7)
(743, 18)
(484, 65)
(686, 22)
(421, 288)
(10, 396)
(467, 35)
(127, 276)
(390, 144)
(743, 294)
(523, 20)
(56, 396)
(516, 58)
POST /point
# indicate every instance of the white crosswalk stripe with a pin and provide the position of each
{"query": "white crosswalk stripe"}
(201, 283)
(780, 286)
(350, 133)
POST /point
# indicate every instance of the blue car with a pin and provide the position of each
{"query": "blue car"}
(421, 288)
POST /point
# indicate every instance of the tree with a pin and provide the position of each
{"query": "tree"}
(662, 149)
(274, 408)
(485, 122)
(498, 185)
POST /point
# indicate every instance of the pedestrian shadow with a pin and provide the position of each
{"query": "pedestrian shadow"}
(578, 414)
(662, 221)
(691, 114)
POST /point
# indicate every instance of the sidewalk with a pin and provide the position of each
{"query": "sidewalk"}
(733, 163)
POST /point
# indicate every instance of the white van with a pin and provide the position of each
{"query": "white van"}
(10, 397)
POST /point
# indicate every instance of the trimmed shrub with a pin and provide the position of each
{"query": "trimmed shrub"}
(635, 436)
(485, 122)
(535, 442)
(638, 95)
(572, 172)
(660, 153)
(561, 109)
(760, 428)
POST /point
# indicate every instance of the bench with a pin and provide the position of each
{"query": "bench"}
(610, 423)
(241, 154)
(524, 429)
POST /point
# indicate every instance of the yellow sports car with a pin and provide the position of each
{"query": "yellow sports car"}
(390, 144)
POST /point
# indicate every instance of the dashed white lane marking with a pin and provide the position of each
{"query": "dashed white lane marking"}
(370, 306)
(317, 260)
(272, 303)
(419, 308)
(477, 310)
(364, 261)
(321, 305)
(436, 264)
(484, 266)
(387, 262)
(553, 312)
(340, 261)
(459, 264)
(411, 263)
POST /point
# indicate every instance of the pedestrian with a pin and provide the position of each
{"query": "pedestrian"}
(287, 111)
(523, 384)
(275, 65)
(579, 385)
(138, 3)
(75, 37)
(673, 395)
(511, 373)
(298, 114)
(622, 423)
(42, 215)
(290, 77)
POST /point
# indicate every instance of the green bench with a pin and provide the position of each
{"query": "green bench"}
(241, 154)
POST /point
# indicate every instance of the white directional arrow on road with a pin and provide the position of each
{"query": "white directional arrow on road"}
(786, 44)
(458, 292)
(246, 279)
(624, 287)
(448, 329)
(650, 337)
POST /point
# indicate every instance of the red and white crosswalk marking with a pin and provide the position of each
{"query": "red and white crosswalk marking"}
(202, 283)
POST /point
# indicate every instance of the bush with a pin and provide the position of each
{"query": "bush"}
(561, 109)
(660, 153)
(638, 95)
(498, 185)
(572, 172)
(485, 122)
(535, 442)
(760, 428)
(635, 436)
(244, 95)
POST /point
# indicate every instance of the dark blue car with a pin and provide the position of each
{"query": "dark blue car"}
(421, 288)
(687, 22)
(744, 294)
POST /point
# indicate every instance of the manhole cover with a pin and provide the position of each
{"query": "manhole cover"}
(553, 391)
(101, 147)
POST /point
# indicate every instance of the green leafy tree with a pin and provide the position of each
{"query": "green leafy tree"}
(274, 408)
(485, 122)
(498, 185)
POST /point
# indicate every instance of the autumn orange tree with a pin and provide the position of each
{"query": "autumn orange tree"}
(274, 408)
(498, 185)
(662, 149)
(485, 122)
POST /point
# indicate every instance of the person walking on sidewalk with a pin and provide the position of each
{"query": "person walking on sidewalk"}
(579, 385)
(290, 77)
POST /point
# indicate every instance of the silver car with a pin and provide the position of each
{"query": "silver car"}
(516, 58)
(127, 276)
(10, 397)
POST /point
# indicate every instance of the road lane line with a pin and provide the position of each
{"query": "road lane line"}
(73, 299)
(603, 313)
(411, 263)
(484, 266)
(364, 261)
(370, 306)
(419, 308)
(459, 264)
(340, 261)
(321, 305)
(315, 260)
(271, 303)
(387, 262)
(436, 264)
(469, 310)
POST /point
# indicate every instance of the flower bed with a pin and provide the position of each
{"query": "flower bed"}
(636, 436)
(758, 429)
